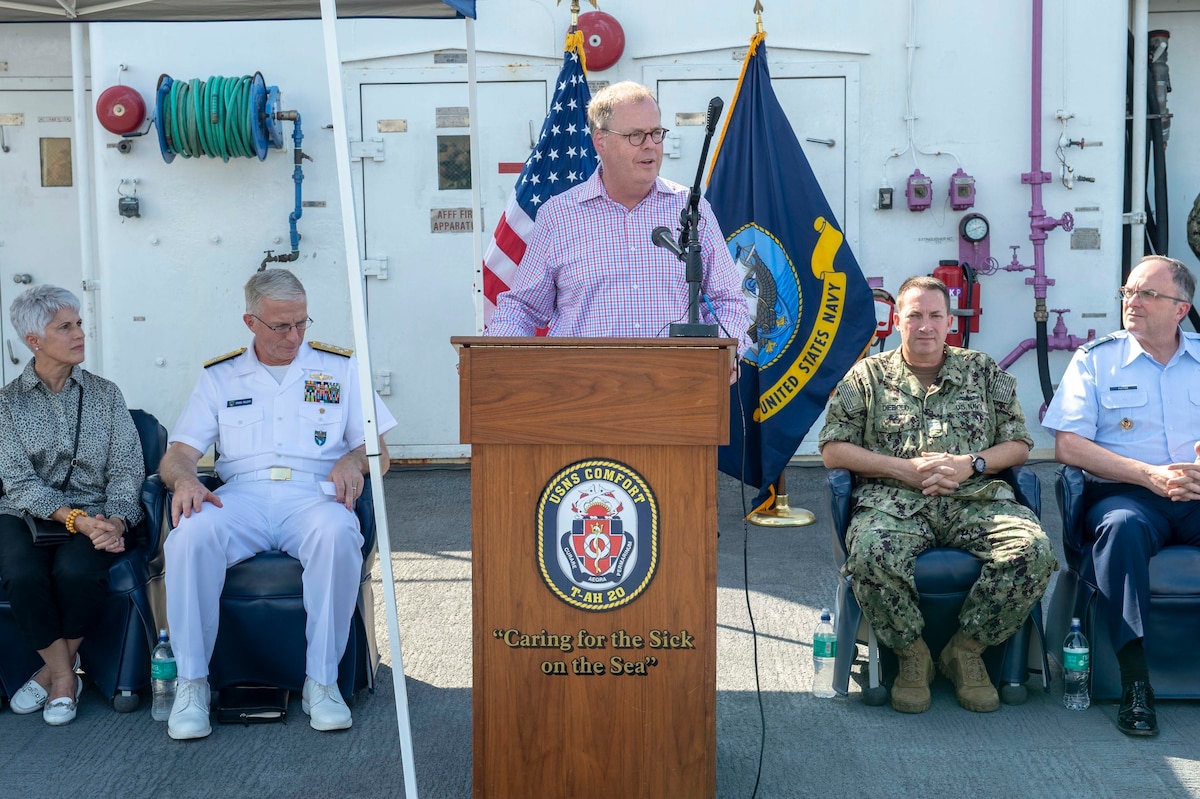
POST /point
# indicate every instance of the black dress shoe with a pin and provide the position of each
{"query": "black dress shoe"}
(1137, 716)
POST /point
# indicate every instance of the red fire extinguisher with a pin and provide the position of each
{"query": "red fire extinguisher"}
(965, 305)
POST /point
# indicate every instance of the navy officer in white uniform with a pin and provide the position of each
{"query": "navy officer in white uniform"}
(287, 423)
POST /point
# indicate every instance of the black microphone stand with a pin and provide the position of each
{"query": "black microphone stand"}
(688, 248)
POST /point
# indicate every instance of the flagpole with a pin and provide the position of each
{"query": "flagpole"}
(782, 514)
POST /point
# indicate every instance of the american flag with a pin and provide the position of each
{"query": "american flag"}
(562, 158)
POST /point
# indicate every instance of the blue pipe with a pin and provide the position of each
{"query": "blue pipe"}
(298, 179)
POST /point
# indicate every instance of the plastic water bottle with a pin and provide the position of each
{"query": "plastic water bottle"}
(163, 678)
(824, 653)
(1076, 663)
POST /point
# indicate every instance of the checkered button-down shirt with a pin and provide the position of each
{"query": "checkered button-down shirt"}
(592, 270)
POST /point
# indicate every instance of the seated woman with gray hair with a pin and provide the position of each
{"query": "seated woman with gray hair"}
(70, 460)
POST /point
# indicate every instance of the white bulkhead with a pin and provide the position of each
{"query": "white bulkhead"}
(874, 90)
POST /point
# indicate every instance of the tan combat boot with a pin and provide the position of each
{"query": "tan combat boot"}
(962, 663)
(910, 691)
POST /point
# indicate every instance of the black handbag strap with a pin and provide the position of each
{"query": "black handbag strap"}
(75, 448)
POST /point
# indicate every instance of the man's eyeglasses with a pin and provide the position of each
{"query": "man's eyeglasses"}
(638, 137)
(1145, 295)
(286, 328)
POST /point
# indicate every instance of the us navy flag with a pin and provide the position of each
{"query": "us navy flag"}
(812, 311)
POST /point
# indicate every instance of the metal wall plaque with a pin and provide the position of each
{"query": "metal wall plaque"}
(690, 119)
(392, 126)
(450, 57)
(453, 117)
(12, 120)
(1085, 238)
(56, 161)
(53, 119)
(451, 220)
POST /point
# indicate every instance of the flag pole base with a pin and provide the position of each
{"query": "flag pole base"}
(782, 515)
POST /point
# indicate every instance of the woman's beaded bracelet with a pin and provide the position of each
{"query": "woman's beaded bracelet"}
(71, 517)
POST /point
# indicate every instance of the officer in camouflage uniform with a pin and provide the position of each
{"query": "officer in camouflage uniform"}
(922, 427)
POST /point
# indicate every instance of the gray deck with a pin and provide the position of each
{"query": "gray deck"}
(814, 747)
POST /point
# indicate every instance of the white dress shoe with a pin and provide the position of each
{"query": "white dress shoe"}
(325, 707)
(62, 710)
(32, 697)
(189, 714)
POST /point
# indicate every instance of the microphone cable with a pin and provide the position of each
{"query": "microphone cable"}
(741, 407)
(762, 716)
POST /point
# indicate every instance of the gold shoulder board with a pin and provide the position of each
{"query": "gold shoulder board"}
(331, 348)
(225, 357)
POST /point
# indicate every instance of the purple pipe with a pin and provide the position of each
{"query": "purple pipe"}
(1039, 223)
(1060, 340)
(1039, 226)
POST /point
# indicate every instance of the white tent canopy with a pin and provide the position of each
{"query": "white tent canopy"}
(214, 10)
(328, 11)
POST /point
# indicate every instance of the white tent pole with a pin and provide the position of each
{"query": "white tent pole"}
(358, 312)
(82, 158)
(476, 175)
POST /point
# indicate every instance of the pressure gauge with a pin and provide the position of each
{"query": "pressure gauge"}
(973, 228)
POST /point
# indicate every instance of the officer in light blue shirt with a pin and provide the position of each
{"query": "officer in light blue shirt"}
(1117, 395)
(1128, 413)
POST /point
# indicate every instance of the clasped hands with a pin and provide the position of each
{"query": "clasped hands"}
(1179, 482)
(106, 534)
(938, 474)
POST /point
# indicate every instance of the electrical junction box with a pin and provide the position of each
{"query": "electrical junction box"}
(885, 199)
(919, 191)
(962, 190)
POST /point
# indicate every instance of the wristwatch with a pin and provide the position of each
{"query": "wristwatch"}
(978, 464)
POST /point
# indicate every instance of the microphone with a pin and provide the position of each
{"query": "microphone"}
(661, 236)
(714, 112)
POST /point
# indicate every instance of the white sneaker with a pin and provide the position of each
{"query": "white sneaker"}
(325, 707)
(189, 714)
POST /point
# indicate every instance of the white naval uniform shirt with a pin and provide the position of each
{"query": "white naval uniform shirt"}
(306, 422)
(1115, 394)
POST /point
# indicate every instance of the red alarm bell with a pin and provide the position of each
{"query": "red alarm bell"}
(120, 109)
(603, 40)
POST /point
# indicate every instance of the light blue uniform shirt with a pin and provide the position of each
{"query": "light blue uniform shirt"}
(1115, 394)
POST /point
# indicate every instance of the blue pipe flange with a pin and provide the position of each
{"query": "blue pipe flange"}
(164, 88)
(274, 125)
(258, 116)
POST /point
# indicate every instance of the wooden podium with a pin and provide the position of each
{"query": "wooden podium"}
(594, 539)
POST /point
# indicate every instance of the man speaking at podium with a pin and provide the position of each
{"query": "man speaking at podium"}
(592, 268)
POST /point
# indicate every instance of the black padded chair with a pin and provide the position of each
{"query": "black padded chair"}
(944, 578)
(117, 655)
(260, 638)
(1172, 638)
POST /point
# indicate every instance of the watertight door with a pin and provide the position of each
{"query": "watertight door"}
(417, 216)
(39, 228)
(815, 106)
